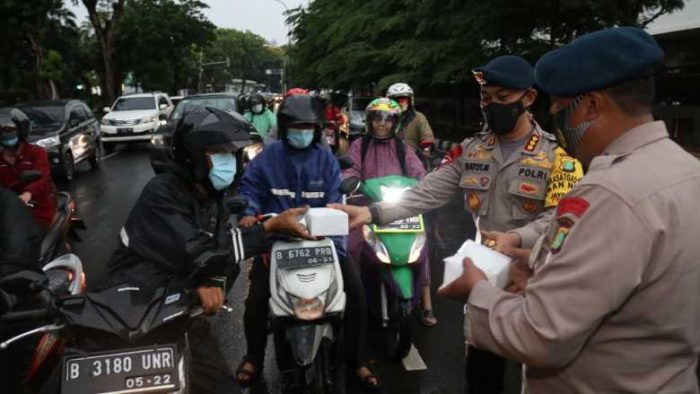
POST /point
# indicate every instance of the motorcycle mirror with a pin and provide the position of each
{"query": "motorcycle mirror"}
(237, 204)
(30, 176)
(345, 162)
(350, 185)
(24, 282)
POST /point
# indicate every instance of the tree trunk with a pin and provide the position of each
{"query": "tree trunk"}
(105, 36)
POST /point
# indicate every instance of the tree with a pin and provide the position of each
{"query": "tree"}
(248, 53)
(105, 16)
(34, 32)
(433, 43)
(158, 42)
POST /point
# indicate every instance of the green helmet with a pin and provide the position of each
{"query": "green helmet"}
(384, 108)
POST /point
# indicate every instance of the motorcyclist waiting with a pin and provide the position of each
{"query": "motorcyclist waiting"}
(294, 172)
(337, 123)
(181, 216)
(17, 156)
(380, 153)
(413, 127)
(260, 115)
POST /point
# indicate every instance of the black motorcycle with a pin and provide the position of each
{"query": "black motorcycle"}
(122, 339)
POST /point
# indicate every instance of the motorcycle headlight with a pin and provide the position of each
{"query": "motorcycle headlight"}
(392, 194)
(309, 309)
(49, 142)
(377, 245)
(416, 248)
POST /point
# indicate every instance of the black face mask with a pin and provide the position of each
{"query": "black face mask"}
(501, 118)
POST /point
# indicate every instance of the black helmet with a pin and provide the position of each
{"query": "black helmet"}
(300, 109)
(257, 98)
(13, 118)
(207, 128)
(338, 98)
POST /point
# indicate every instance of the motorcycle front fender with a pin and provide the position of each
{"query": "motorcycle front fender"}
(403, 279)
(305, 340)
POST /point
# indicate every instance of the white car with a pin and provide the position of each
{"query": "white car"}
(134, 118)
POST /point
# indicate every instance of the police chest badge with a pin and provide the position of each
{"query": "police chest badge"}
(567, 164)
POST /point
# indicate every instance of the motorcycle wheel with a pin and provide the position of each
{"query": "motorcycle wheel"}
(397, 335)
(325, 375)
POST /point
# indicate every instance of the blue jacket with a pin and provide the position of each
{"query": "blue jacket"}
(282, 177)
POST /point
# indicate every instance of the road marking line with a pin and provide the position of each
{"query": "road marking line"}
(110, 155)
(413, 361)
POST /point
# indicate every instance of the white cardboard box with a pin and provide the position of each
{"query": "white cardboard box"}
(495, 265)
(326, 222)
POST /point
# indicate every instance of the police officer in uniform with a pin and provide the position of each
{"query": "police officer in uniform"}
(612, 301)
(512, 177)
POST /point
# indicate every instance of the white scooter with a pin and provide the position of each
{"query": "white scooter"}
(306, 307)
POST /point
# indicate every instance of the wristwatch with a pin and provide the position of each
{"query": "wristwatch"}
(374, 212)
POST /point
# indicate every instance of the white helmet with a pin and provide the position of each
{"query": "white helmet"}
(399, 90)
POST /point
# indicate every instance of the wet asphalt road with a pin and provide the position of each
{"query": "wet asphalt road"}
(105, 197)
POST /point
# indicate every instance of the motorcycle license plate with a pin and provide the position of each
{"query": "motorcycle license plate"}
(146, 370)
(127, 130)
(410, 225)
(304, 257)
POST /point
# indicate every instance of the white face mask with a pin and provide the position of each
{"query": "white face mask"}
(257, 108)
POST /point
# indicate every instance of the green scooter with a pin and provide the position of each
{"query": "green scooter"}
(391, 256)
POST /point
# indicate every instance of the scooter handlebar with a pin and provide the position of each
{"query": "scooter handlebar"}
(32, 314)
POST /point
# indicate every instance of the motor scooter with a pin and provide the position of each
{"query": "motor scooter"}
(307, 304)
(391, 257)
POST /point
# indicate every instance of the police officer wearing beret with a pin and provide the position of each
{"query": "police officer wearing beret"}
(612, 302)
(512, 177)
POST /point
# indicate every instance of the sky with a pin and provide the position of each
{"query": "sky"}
(263, 17)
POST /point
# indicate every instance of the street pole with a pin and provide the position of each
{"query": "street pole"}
(286, 53)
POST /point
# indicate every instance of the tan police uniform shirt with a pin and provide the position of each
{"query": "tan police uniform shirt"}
(515, 193)
(614, 303)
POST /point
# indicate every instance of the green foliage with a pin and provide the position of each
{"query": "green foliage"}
(249, 56)
(368, 44)
(158, 40)
(39, 43)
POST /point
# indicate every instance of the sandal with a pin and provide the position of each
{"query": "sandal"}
(370, 383)
(247, 376)
(427, 318)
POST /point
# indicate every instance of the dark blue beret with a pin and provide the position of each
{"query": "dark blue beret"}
(598, 60)
(507, 71)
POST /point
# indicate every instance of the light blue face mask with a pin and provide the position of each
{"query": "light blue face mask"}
(223, 170)
(9, 139)
(300, 138)
(257, 108)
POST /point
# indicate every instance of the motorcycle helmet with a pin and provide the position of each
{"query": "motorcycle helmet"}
(14, 120)
(338, 98)
(257, 99)
(383, 108)
(300, 109)
(400, 90)
(207, 129)
(296, 92)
